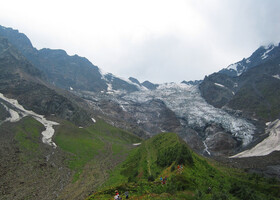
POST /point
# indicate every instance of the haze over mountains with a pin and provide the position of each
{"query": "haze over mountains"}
(220, 116)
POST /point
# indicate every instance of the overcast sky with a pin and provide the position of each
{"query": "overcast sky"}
(156, 40)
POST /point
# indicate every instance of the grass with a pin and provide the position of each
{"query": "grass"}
(85, 144)
(28, 135)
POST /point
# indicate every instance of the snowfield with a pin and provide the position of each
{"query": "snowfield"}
(268, 145)
(18, 112)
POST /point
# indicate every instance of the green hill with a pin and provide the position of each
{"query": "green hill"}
(200, 178)
(92, 153)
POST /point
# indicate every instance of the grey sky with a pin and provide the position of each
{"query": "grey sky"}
(156, 40)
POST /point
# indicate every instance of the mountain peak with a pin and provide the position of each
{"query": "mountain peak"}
(261, 55)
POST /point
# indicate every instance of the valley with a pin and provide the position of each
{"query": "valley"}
(68, 131)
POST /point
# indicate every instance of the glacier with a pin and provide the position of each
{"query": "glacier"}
(187, 103)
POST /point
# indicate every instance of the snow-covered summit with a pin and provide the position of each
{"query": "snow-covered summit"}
(261, 55)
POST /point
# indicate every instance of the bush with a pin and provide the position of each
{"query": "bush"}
(179, 153)
(151, 178)
(184, 156)
(173, 168)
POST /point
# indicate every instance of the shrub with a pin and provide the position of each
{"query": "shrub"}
(151, 178)
(179, 153)
(184, 156)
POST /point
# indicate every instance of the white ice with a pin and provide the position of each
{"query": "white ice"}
(276, 76)
(14, 115)
(268, 49)
(268, 145)
(234, 67)
(206, 148)
(48, 133)
(186, 102)
(219, 84)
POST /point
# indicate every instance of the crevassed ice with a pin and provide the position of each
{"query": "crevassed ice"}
(186, 102)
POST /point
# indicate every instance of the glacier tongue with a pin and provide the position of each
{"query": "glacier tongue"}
(186, 102)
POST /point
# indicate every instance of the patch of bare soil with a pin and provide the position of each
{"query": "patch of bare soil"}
(39, 175)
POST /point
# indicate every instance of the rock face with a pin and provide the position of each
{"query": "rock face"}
(255, 91)
(150, 85)
(20, 80)
(260, 56)
(65, 71)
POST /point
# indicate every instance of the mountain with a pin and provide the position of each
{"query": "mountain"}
(22, 81)
(68, 130)
(253, 90)
(196, 82)
(134, 80)
(64, 71)
(148, 109)
(149, 85)
(261, 55)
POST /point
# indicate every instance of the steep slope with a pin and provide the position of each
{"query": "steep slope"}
(20, 80)
(260, 56)
(255, 91)
(140, 175)
(64, 71)
(31, 169)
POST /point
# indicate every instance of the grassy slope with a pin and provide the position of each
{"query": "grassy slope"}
(158, 157)
(93, 152)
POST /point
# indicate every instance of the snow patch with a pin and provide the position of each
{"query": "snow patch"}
(268, 49)
(122, 107)
(206, 148)
(233, 66)
(14, 115)
(94, 121)
(276, 76)
(136, 144)
(71, 88)
(268, 145)
(267, 123)
(220, 85)
(48, 133)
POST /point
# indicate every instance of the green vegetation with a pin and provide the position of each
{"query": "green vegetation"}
(28, 136)
(85, 144)
(199, 179)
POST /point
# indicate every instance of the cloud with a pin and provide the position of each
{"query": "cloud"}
(159, 40)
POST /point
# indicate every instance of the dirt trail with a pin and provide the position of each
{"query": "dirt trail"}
(148, 160)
